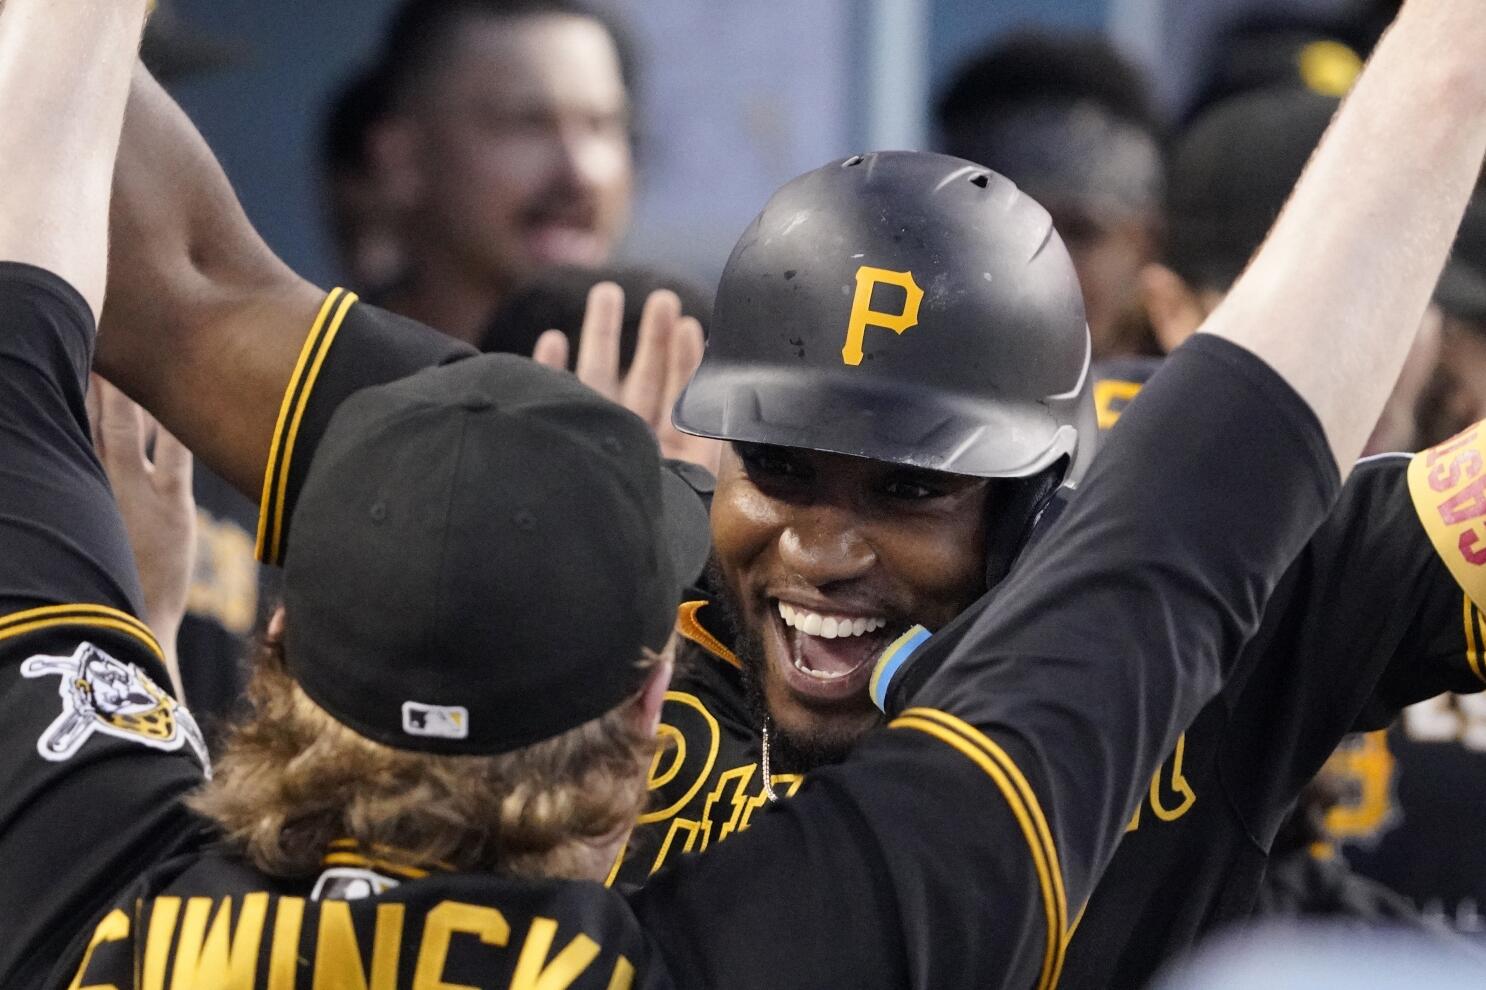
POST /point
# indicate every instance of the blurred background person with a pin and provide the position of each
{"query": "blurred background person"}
(506, 147)
(1230, 170)
(1070, 121)
(360, 210)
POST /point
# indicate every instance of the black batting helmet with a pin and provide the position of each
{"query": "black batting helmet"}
(905, 307)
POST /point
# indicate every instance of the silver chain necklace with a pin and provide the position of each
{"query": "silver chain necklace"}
(764, 764)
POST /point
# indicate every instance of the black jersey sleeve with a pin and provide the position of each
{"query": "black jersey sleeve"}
(94, 755)
(1380, 611)
(954, 847)
(1443, 527)
(1371, 619)
(350, 345)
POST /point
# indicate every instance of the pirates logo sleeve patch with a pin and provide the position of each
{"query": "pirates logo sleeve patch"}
(104, 695)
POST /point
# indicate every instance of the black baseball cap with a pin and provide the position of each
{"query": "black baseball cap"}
(174, 50)
(480, 556)
(1232, 171)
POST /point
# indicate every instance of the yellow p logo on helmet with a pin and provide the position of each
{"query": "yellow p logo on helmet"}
(864, 316)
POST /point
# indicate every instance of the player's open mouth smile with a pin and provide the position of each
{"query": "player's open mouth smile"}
(825, 655)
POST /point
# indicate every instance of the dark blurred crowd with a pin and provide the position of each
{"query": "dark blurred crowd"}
(478, 175)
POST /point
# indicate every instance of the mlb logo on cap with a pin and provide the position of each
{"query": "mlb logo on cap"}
(441, 721)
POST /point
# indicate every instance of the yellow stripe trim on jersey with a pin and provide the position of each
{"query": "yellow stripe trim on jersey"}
(1078, 919)
(691, 628)
(372, 863)
(1447, 484)
(286, 408)
(1472, 641)
(1029, 796)
(269, 544)
(389, 856)
(304, 401)
(993, 760)
(97, 616)
(71, 609)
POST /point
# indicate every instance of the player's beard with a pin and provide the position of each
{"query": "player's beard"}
(788, 752)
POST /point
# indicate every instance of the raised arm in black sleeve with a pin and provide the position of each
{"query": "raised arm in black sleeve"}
(86, 801)
(953, 848)
(350, 346)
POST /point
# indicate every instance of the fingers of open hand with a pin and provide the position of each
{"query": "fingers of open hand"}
(644, 392)
(173, 464)
(119, 431)
(598, 341)
(687, 345)
(552, 350)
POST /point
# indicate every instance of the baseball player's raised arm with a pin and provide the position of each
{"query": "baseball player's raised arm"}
(84, 725)
(207, 329)
(62, 70)
(203, 323)
(1332, 299)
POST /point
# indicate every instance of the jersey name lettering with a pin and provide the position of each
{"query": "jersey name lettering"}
(203, 942)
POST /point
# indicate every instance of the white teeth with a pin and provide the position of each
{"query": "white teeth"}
(823, 675)
(827, 626)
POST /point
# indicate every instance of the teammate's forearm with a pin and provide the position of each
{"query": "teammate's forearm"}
(64, 72)
(1332, 300)
(204, 323)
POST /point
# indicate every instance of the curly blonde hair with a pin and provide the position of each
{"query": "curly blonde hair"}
(291, 780)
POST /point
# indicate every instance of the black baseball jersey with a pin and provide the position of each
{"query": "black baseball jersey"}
(954, 848)
(1371, 619)
(96, 754)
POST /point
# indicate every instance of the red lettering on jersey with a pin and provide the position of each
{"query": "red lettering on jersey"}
(1467, 504)
(1448, 488)
(1472, 547)
(1443, 477)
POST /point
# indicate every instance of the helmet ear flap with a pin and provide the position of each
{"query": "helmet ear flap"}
(1013, 517)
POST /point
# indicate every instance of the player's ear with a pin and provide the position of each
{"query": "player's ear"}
(392, 148)
(1174, 309)
(275, 631)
